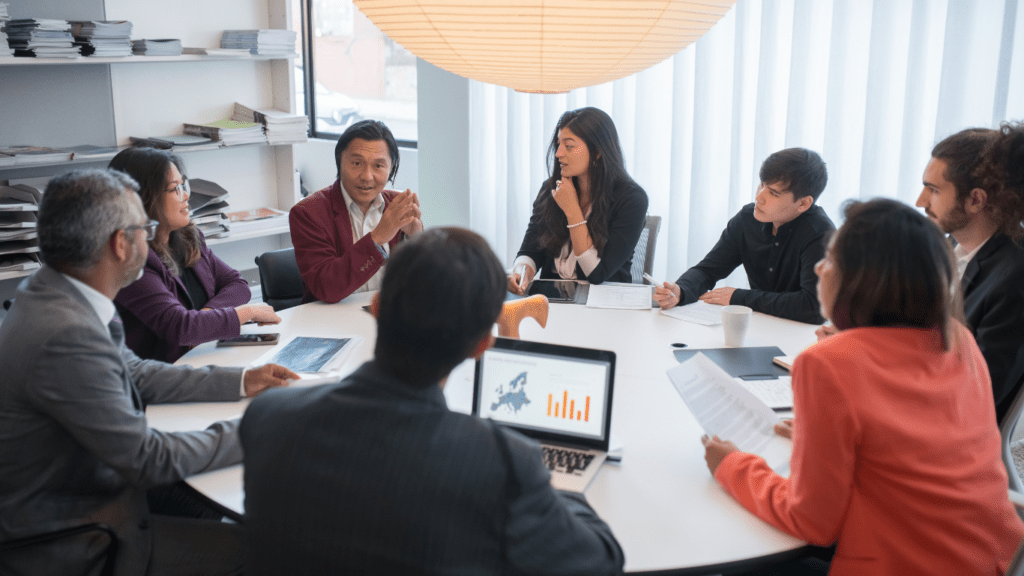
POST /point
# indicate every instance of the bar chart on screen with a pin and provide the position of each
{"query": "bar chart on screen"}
(567, 408)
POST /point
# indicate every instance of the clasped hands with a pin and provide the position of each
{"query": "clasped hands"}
(716, 449)
(403, 213)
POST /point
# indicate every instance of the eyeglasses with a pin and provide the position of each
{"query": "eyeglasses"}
(149, 227)
(181, 190)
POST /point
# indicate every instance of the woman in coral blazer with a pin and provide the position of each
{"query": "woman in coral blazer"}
(896, 455)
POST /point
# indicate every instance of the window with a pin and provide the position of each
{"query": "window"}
(356, 72)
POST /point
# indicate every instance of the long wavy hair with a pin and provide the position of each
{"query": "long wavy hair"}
(606, 170)
(149, 167)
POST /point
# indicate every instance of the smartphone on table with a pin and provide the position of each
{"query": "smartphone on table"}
(250, 340)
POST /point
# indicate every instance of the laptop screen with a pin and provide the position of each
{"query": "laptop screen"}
(545, 391)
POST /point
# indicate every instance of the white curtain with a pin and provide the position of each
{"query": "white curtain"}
(871, 85)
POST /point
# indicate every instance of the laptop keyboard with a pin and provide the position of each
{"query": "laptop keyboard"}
(566, 460)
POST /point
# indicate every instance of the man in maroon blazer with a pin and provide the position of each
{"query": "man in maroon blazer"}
(344, 233)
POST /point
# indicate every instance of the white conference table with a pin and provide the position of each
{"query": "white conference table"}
(662, 504)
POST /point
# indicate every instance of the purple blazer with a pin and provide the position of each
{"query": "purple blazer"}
(158, 325)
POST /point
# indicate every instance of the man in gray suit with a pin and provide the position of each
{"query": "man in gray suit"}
(376, 476)
(74, 444)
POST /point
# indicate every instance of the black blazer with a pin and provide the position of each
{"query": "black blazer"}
(993, 286)
(626, 221)
(373, 476)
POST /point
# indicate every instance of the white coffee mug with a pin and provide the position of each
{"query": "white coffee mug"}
(735, 320)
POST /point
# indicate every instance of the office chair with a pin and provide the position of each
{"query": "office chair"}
(91, 553)
(1016, 566)
(1006, 430)
(643, 254)
(280, 280)
(8, 303)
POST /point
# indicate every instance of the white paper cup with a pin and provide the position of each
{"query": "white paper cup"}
(735, 320)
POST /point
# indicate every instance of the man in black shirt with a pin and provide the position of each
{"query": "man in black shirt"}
(778, 239)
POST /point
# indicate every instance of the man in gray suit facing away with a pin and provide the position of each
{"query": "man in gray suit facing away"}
(376, 476)
(74, 444)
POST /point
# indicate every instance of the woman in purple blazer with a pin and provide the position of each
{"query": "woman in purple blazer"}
(186, 295)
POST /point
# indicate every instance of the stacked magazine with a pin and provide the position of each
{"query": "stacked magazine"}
(158, 47)
(229, 132)
(41, 37)
(102, 38)
(262, 42)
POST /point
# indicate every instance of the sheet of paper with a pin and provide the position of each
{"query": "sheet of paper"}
(698, 313)
(776, 394)
(310, 355)
(620, 296)
(728, 410)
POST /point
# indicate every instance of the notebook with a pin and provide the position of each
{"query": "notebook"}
(560, 396)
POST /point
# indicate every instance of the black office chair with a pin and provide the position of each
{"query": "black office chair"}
(1006, 429)
(280, 280)
(8, 304)
(91, 553)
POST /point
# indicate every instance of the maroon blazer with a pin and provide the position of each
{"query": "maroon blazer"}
(332, 266)
(157, 323)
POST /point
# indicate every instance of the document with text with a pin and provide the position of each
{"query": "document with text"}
(726, 409)
(620, 296)
(698, 313)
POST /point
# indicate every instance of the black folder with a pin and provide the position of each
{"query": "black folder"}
(753, 363)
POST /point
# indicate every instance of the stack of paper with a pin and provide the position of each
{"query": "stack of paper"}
(280, 127)
(45, 38)
(5, 49)
(264, 42)
(103, 37)
(230, 132)
(34, 155)
(19, 247)
(159, 47)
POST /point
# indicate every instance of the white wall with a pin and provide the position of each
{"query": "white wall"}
(443, 109)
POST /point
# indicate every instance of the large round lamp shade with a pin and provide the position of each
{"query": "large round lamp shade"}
(544, 46)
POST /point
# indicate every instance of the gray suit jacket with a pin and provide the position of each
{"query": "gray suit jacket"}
(74, 444)
(371, 476)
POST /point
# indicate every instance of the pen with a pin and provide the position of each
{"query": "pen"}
(522, 279)
(651, 279)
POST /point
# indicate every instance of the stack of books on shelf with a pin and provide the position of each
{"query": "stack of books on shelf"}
(208, 206)
(19, 244)
(257, 219)
(181, 142)
(41, 37)
(229, 132)
(261, 42)
(5, 49)
(280, 127)
(158, 47)
(103, 38)
(20, 155)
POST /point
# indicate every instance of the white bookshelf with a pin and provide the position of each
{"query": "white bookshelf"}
(61, 102)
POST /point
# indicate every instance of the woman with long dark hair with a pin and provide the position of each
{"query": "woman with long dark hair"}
(588, 214)
(896, 455)
(186, 295)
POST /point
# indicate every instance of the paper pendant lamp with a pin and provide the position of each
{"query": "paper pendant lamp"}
(544, 46)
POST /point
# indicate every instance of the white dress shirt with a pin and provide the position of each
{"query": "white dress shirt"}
(964, 258)
(363, 224)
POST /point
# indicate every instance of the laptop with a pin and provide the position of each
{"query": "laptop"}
(560, 396)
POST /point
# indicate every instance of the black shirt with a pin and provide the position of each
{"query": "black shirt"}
(780, 268)
(196, 292)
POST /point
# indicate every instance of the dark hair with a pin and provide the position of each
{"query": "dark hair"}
(79, 213)
(895, 269)
(596, 129)
(800, 170)
(442, 292)
(371, 131)
(1001, 175)
(962, 154)
(149, 167)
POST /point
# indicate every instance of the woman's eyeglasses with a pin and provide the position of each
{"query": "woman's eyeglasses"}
(149, 227)
(181, 190)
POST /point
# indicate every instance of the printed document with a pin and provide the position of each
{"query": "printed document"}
(699, 313)
(620, 296)
(728, 410)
